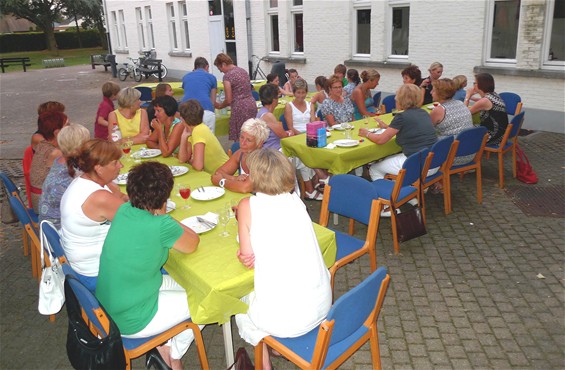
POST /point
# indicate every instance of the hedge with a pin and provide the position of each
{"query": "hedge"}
(35, 41)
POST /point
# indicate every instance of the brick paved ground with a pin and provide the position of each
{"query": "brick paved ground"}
(464, 296)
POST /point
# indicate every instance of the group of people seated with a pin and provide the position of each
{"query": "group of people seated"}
(117, 242)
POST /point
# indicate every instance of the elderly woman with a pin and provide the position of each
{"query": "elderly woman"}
(50, 124)
(254, 132)
(58, 179)
(129, 117)
(290, 306)
(89, 206)
(451, 116)
(237, 88)
(361, 96)
(48, 106)
(492, 107)
(336, 108)
(436, 70)
(142, 301)
(167, 129)
(413, 129)
(199, 146)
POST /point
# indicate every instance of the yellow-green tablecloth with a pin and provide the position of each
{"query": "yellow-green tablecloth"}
(213, 277)
(341, 160)
(178, 91)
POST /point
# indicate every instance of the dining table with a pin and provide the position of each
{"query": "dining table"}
(178, 91)
(212, 275)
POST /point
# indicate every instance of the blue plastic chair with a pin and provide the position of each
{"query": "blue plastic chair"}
(234, 148)
(283, 122)
(471, 141)
(31, 234)
(509, 142)
(353, 197)
(133, 348)
(513, 103)
(398, 191)
(377, 100)
(437, 157)
(351, 322)
(389, 103)
(320, 115)
(146, 95)
(15, 191)
(53, 240)
(255, 95)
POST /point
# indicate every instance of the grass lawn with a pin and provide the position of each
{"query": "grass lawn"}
(73, 57)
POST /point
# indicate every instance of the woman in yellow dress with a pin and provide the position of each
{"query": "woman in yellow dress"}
(129, 117)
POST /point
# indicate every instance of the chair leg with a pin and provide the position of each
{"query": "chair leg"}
(259, 356)
(514, 160)
(52, 318)
(200, 347)
(394, 232)
(447, 193)
(375, 351)
(26, 242)
(501, 169)
(34, 263)
(479, 184)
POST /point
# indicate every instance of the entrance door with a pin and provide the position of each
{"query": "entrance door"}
(217, 43)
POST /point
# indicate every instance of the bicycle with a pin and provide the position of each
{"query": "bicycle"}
(150, 55)
(130, 70)
(258, 69)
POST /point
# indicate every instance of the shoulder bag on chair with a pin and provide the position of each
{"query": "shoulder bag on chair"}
(85, 350)
(524, 170)
(410, 224)
(51, 286)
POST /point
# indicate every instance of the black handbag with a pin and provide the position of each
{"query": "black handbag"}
(410, 223)
(84, 349)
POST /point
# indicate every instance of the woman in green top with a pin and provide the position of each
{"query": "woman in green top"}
(167, 131)
(131, 287)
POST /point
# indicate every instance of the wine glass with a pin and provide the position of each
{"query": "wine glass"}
(126, 147)
(224, 218)
(184, 191)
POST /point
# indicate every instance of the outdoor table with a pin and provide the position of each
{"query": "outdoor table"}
(178, 91)
(213, 277)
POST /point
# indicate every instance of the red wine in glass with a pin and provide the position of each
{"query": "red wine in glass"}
(126, 150)
(184, 191)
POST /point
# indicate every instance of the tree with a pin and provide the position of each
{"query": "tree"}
(41, 12)
(91, 13)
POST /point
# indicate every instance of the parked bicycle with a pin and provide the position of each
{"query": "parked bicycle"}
(151, 55)
(130, 70)
(258, 70)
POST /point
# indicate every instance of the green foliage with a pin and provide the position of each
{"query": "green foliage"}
(31, 41)
(72, 57)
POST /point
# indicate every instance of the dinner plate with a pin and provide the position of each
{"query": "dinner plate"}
(377, 131)
(339, 127)
(431, 106)
(122, 179)
(197, 226)
(171, 206)
(147, 153)
(207, 193)
(346, 143)
(328, 133)
(178, 170)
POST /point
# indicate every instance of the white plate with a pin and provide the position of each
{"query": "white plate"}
(377, 131)
(147, 153)
(171, 206)
(122, 179)
(196, 225)
(328, 134)
(178, 170)
(346, 143)
(207, 193)
(339, 127)
(431, 106)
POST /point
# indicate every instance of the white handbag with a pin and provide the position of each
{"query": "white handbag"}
(51, 286)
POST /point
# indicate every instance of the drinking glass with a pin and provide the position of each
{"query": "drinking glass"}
(224, 218)
(366, 119)
(348, 129)
(126, 147)
(184, 191)
(233, 207)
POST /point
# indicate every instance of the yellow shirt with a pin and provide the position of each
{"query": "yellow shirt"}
(129, 126)
(214, 155)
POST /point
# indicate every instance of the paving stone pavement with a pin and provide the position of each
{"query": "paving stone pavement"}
(466, 295)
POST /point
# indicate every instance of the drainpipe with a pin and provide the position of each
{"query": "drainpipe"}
(249, 36)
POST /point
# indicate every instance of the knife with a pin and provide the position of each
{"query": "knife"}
(204, 221)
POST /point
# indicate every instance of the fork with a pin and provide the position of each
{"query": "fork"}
(205, 222)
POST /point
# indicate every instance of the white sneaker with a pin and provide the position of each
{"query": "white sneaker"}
(413, 202)
(385, 212)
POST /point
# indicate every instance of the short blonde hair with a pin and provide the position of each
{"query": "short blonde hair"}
(71, 138)
(256, 128)
(271, 172)
(460, 81)
(408, 96)
(299, 84)
(128, 96)
(370, 75)
(332, 80)
(445, 88)
(435, 65)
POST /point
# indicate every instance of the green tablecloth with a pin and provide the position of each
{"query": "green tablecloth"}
(213, 277)
(341, 160)
(178, 91)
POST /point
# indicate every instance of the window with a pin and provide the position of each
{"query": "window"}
(399, 31)
(503, 31)
(140, 30)
(297, 26)
(172, 26)
(149, 26)
(123, 28)
(554, 45)
(274, 25)
(184, 15)
(363, 32)
(116, 30)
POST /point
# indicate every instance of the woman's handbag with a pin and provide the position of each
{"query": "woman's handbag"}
(85, 350)
(51, 286)
(524, 170)
(242, 361)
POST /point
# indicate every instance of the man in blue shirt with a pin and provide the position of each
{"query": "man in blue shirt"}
(201, 85)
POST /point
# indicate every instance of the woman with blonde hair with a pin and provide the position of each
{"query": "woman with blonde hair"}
(290, 306)
(412, 127)
(89, 205)
(129, 117)
(451, 116)
(361, 95)
(436, 70)
(58, 179)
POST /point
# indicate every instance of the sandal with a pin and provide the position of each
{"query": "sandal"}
(315, 195)
(385, 212)
(320, 186)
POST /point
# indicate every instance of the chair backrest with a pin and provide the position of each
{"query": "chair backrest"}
(512, 101)
(377, 100)
(441, 151)
(320, 115)
(20, 211)
(11, 188)
(255, 95)
(283, 121)
(470, 140)
(146, 93)
(53, 238)
(389, 103)
(26, 165)
(355, 307)
(413, 166)
(90, 305)
(516, 122)
(351, 196)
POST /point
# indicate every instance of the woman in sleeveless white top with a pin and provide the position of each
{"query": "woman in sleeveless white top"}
(299, 118)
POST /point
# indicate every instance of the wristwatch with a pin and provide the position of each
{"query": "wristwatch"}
(222, 183)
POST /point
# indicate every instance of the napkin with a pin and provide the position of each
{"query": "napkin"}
(211, 217)
(330, 146)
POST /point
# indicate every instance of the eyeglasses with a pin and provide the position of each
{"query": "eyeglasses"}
(337, 87)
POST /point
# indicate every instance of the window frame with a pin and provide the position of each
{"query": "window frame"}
(273, 12)
(115, 29)
(389, 28)
(488, 60)
(360, 5)
(546, 46)
(140, 28)
(149, 30)
(295, 10)
(184, 26)
(123, 29)
(172, 25)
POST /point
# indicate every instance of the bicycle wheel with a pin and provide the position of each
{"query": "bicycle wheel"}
(123, 74)
(137, 75)
(163, 71)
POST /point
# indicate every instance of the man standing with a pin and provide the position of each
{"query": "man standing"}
(201, 85)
